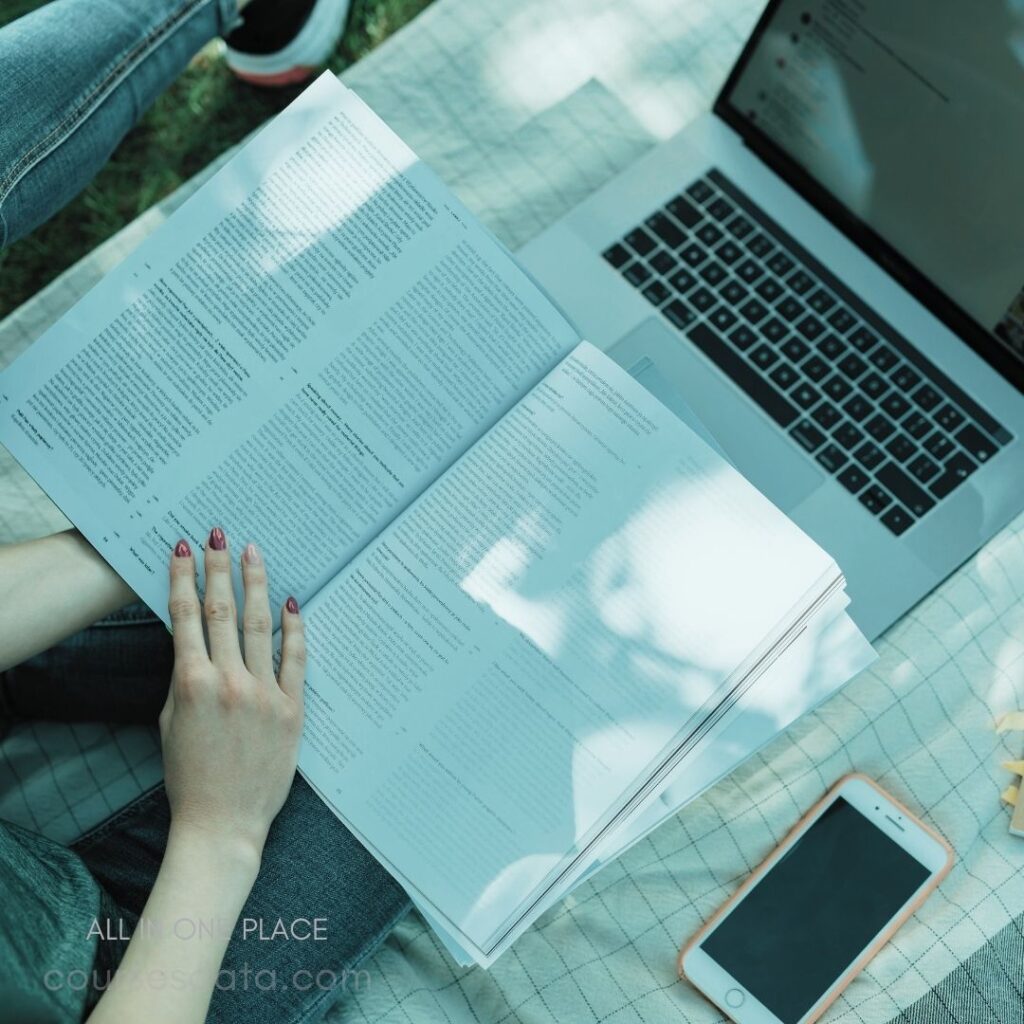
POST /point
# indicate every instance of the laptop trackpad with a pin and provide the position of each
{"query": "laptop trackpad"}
(770, 461)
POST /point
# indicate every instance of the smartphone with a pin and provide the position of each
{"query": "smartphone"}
(851, 871)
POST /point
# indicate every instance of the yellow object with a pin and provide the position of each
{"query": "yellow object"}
(1010, 721)
(1009, 796)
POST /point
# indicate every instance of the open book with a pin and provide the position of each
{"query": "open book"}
(536, 600)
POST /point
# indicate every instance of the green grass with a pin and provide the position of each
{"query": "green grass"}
(202, 114)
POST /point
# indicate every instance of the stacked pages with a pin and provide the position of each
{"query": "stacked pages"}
(543, 612)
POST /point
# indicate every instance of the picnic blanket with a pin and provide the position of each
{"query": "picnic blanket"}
(524, 108)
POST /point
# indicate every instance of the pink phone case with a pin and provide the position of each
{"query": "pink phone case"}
(858, 965)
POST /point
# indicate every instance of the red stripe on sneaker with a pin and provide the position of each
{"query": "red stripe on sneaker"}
(293, 76)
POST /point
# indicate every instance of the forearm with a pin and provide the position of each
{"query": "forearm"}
(51, 588)
(170, 967)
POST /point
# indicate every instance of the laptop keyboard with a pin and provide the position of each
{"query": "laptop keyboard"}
(846, 387)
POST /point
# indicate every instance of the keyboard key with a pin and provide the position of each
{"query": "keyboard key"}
(800, 282)
(656, 293)
(927, 397)
(857, 407)
(816, 368)
(874, 386)
(682, 280)
(869, 455)
(785, 376)
(721, 208)
(780, 264)
(847, 435)
(811, 327)
(700, 191)
(753, 311)
(949, 418)
(831, 347)
(898, 520)
(728, 252)
(640, 241)
(939, 445)
(901, 447)
(779, 408)
(956, 471)
(917, 425)
(794, 348)
(976, 443)
(789, 308)
(693, 254)
(683, 211)
(832, 458)
(666, 229)
(906, 490)
(764, 356)
(836, 388)
(701, 300)
(709, 233)
(714, 273)
(636, 274)
(805, 395)
(922, 468)
(723, 318)
(826, 415)
(740, 226)
(842, 320)
(663, 262)
(879, 427)
(820, 301)
(750, 272)
(743, 337)
(760, 245)
(895, 405)
(863, 339)
(617, 255)
(905, 378)
(853, 478)
(733, 292)
(769, 289)
(679, 314)
(774, 329)
(852, 366)
(808, 435)
(884, 358)
(874, 499)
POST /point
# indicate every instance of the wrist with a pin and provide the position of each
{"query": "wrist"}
(230, 857)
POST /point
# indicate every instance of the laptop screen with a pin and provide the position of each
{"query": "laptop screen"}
(910, 115)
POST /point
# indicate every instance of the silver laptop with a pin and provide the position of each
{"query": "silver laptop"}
(829, 268)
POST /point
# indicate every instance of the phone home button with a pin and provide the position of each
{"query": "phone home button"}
(735, 997)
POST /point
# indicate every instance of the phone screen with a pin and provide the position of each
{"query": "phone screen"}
(815, 911)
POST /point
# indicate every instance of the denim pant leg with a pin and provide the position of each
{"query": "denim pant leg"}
(76, 75)
(312, 865)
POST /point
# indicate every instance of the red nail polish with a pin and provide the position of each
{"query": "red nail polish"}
(182, 550)
(217, 539)
(292, 606)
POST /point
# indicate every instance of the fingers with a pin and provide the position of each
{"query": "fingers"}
(292, 676)
(219, 604)
(186, 614)
(257, 626)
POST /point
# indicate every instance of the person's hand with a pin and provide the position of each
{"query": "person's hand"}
(230, 729)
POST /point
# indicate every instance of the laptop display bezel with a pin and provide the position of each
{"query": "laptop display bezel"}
(926, 291)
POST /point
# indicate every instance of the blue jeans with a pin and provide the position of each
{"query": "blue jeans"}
(312, 866)
(75, 75)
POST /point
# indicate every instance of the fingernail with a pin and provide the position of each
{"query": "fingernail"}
(182, 550)
(251, 554)
(292, 606)
(217, 539)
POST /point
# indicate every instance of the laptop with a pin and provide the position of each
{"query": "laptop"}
(828, 268)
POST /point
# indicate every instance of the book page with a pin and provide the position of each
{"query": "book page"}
(294, 355)
(495, 675)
